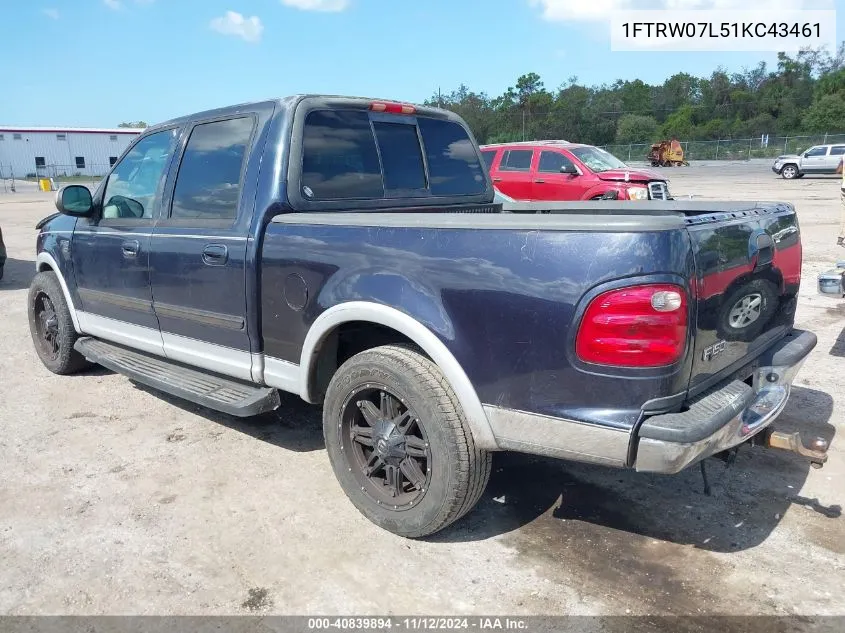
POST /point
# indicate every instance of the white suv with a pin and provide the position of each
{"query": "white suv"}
(819, 159)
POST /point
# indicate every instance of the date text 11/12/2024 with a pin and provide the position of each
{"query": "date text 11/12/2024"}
(417, 623)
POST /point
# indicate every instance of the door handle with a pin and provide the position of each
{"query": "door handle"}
(215, 255)
(540, 182)
(497, 180)
(130, 248)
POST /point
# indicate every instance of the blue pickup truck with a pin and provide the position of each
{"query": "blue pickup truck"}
(353, 252)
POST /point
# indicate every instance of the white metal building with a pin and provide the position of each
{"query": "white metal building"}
(51, 152)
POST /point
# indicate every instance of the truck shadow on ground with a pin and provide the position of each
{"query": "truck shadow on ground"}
(562, 501)
(295, 425)
(557, 501)
(17, 273)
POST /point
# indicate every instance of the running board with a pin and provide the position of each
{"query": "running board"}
(216, 392)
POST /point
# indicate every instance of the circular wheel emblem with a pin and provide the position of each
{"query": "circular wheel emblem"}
(386, 447)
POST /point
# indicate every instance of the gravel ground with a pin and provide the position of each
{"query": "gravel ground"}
(115, 499)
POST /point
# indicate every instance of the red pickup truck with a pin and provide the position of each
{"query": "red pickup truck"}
(558, 170)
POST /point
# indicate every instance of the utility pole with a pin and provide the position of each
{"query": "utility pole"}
(439, 98)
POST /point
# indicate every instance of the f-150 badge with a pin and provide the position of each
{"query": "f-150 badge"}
(712, 351)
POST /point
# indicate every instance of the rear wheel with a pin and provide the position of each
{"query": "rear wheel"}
(51, 326)
(789, 172)
(399, 444)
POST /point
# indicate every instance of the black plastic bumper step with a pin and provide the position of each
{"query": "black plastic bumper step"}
(204, 388)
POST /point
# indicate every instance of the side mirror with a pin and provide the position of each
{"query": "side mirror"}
(74, 200)
(569, 169)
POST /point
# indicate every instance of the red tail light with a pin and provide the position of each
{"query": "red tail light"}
(392, 108)
(638, 326)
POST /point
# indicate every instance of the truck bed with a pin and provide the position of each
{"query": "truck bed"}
(507, 289)
(646, 207)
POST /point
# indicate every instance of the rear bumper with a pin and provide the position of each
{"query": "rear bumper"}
(727, 415)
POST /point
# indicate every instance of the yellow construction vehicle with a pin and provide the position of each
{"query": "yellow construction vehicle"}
(667, 154)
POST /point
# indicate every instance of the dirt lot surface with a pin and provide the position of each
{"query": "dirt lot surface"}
(115, 499)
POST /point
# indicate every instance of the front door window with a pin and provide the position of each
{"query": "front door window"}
(132, 188)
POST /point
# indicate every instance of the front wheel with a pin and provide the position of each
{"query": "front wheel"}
(51, 326)
(399, 443)
(789, 172)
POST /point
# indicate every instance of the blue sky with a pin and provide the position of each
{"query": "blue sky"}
(100, 62)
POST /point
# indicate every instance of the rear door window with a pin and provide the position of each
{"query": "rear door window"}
(837, 150)
(489, 157)
(453, 165)
(516, 160)
(208, 186)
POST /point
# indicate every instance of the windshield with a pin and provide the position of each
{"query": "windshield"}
(597, 159)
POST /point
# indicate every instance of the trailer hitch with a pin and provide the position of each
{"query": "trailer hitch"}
(816, 451)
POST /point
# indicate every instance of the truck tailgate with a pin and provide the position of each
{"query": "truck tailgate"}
(748, 270)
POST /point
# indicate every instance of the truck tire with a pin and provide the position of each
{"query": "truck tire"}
(789, 172)
(399, 444)
(51, 326)
(747, 310)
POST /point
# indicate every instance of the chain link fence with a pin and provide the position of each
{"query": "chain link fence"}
(58, 175)
(731, 149)
(89, 174)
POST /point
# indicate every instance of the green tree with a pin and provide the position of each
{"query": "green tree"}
(831, 83)
(715, 128)
(636, 128)
(527, 86)
(140, 124)
(827, 114)
(636, 97)
(679, 124)
(802, 93)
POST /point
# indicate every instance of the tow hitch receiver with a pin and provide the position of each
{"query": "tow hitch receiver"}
(816, 452)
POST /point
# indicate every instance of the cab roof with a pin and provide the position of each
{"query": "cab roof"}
(291, 101)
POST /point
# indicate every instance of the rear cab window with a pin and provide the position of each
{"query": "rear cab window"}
(358, 155)
(401, 156)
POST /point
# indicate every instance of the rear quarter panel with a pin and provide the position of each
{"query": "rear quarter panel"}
(504, 302)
